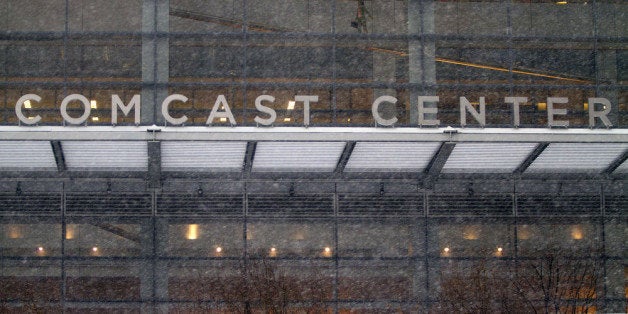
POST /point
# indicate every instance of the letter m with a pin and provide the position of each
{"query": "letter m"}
(116, 103)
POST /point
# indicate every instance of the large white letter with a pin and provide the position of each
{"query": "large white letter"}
(599, 114)
(375, 110)
(266, 110)
(166, 114)
(551, 111)
(18, 108)
(117, 102)
(478, 116)
(221, 100)
(306, 99)
(516, 101)
(64, 108)
(422, 110)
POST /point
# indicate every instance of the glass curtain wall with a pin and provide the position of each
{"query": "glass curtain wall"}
(262, 246)
(346, 53)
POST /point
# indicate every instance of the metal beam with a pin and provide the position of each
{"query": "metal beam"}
(437, 163)
(217, 133)
(154, 165)
(531, 158)
(616, 163)
(249, 155)
(344, 158)
(57, 150)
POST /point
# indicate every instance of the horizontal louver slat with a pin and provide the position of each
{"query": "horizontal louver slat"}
(470, 205)
(558, 205)
(298, 205)
(376, 205)
(616, 205)
(199, 205)
(119, 204)
(41, 203)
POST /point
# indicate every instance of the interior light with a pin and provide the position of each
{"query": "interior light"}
(471, 232)
(27, 104)
(349, 120)
(291, 104)
(523, 232)
(218, 250)
(446, 250)
(541, 106)
(15, 232)
(561, 2)
(286, 119)
(69, 232)
(499, 249)
(576, 232)
(586, 106)
(327, 251)
(223, 119)
(192, 233)
(95, 119)
(31, 118)
(95, 249)
(40, 249)
(273, 252)
(93, 104)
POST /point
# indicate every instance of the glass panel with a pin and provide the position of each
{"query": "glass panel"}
(205, 16)
(206, 59)
(471, 18)
(203, 239)
(263, 284)
(276, 238)
(375, 17)
(471, 239)
(312, 16)
(115, 60)
(30, 238)
(100, 238)
(111, 281)
(378, 239)
(35, 15)
(554, 18)
(562, 239)
(104, 16)
(363, 281)
(33, 283)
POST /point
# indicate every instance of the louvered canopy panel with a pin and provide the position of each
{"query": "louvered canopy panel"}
(453, 205)
(297, 205)
(127, 204)
(297, 156)
(577, 157)
(31, 204)
(187, 205)
(203, 156)
(391, 156)
(394, 205)
(487, 157)
(27, 155)
(558, 205)
(623, 168)
(106, 155)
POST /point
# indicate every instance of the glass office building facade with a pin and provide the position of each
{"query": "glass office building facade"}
(212, 205)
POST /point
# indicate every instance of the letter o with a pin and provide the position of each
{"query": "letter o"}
(64, 108)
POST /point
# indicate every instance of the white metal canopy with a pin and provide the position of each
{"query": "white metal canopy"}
(324, 150)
